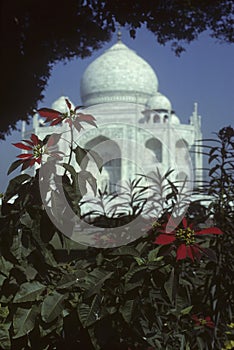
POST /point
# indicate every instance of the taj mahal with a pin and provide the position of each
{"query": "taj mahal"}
(138, 129)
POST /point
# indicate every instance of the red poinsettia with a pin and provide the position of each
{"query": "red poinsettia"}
(184, 239)
(36, 148)
(73, 117)
(201, 321)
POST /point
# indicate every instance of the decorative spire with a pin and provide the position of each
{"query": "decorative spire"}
(195, 108)
(119, 34)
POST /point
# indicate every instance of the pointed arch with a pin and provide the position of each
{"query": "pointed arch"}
(181, 150)
(156, 118)
(110, 153)
(155, 145)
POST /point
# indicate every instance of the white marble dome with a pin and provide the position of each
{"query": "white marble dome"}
(158, 101)
(60, 104)
(174, 119)
(118, 75)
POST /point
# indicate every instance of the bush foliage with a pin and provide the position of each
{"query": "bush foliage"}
(137, 296)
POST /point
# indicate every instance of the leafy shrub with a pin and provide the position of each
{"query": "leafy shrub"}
(161, 291)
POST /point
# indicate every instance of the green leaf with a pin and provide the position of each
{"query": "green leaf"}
(24, 320)
(53, 138)
(57, 205)
(98, 160)
(71, 279)
(130, 286)
(136, 274)
(187, 310)
(52, 306)
(140, 261)
(95, 281)
(211, 158)
(5, 341)
(84, 177)
(182, 343)
(29, 291)
(213, 170)
(74, 192)
(125, 250)
(48, 328)
(14, 166)
(30, 272)
(141, 246)
(15, 184)
(5, 266)
(126, 310)
(4, 312)
(111, 309)
(26, 220)
(16, 247)
(2, 279)
(71, 170)
(82, 158)
(88, 315)
(153, 255)
(210, 254)
(169, 286)
(200, 343)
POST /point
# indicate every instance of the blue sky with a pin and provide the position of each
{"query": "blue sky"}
(203, 74)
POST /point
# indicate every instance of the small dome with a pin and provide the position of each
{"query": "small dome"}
(118, 75)
(174, 119)
(60, 104)
(158, 102)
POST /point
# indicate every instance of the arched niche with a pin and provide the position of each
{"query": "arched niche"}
(155, 146)
(156, 118)
(110, 153)
(182, 151)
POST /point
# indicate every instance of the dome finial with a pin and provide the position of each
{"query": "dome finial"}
(119, 34)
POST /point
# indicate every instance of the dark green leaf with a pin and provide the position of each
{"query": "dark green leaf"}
(88, 315)
(29, 291)
(14, 166)
(26, 220)
(71, 170)
(212, 170)
(71, 279)
(95, 281)
(52, 306)
(136, 274)
(169, 286)
(82, 158)
(86, 177)
(98, 160)
(200, 343)
(126, 310)
(5, 340)
(125, 250)
(5, 266)
(210, 254)
(24, 320)
(211, 158)
(15, 184)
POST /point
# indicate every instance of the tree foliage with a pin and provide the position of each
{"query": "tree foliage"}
(37, 34)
